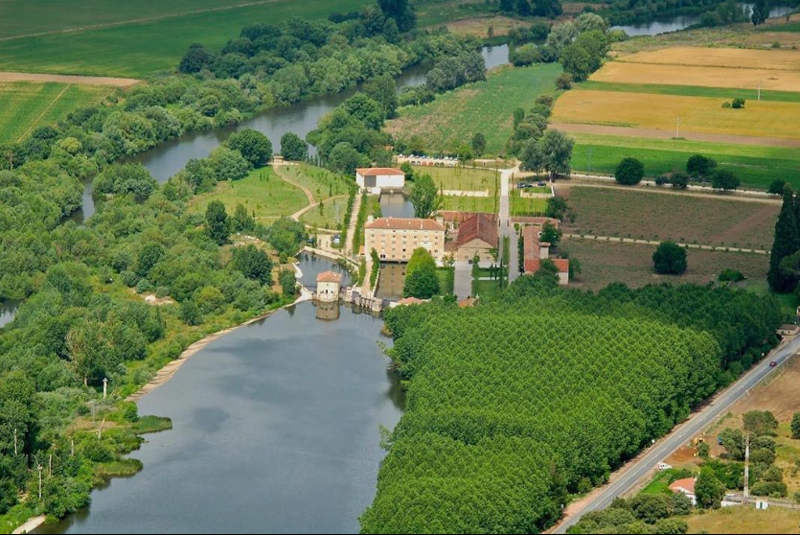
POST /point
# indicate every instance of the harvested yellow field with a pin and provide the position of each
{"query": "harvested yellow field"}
(651, 73)
(697, 114)
(730, 58)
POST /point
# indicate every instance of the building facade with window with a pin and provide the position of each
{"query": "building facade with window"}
(396, 238)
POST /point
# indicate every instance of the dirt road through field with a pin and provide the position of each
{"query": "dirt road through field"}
(66, 79)
(653, 133)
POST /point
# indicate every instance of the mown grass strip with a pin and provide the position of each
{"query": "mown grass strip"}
(691, 91)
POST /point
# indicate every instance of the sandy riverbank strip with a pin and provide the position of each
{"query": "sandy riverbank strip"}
(30, 525)
(168, 372)
(67, 79)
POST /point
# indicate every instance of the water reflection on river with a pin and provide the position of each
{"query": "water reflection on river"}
(681, 22)
(276, 430)
(8, 309)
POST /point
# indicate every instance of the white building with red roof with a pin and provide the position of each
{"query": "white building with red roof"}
(536, 251)
(686, 487)
(328, 286)
(377, 179)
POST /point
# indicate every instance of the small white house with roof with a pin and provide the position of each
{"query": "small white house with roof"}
(377, 179)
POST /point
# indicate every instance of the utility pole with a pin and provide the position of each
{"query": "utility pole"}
(105, 388)
(678, 128)
(747, 469)
(759, 90)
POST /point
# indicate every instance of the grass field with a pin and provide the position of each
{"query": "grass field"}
(653, 216)
(691, 91)
(697, 114)
(471, 204)
(454, 117)
(136, 49)
(756, 166)
(262, 192)
(464, 179)
(25, 106)
(604, 263)
(524, 207)
(745, 520)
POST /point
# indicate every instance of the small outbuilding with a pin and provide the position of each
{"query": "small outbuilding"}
(328, 286)
(685, 487)
(377, 179)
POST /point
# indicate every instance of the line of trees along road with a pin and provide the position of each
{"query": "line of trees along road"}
(518, 402)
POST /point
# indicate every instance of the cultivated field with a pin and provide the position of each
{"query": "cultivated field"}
(617, 212)
(463, 179)
(729, 58)
(454, 117)
(262, 192)
(697, 114)
(604, 263)
(25, 106)
(756, 166)
(152, 37)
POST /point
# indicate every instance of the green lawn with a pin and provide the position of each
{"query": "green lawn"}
(794, 27)
(487, 288)
(25, 105)
(486, 107)
(757, 166)
(460, 178)
(262, 192)
(446, 280)
(523, 207)
(471, 204)
(135, 49)
(788, 301)
(329, 215)
(690, 91)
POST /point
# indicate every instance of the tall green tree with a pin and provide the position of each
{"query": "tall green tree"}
(293, 148)
(478, 144)
(796, 426)
(402, 13)
(709, 489)
(254, 146)
(760, 13)
(218, 225)
(425, 197)
(253, 263)
(786, 243)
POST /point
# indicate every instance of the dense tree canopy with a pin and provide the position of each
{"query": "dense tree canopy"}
(425, 197)
(254, 146)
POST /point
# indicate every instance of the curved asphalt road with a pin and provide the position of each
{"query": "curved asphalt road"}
(699, 421)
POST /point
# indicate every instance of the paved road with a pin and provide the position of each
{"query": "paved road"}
(506, 227)
(627, 479)
(463, 280)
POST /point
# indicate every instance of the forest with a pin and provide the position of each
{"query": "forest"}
(573, 383)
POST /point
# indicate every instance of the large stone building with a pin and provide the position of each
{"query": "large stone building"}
(377, 179)
(477, 236)
(396, 238)
(536, 251)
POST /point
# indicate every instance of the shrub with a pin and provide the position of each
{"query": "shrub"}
(700, 166)
(776, 187)
(738, 103)
(731, 275)
(796, 426)
(564, 81)
(630, 172)
(725, 180)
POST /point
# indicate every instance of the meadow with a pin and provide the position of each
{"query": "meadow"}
(471, 204)
(262, 192)
(685, 217)
(525, 206)
(692, 91)
(729, 58)
(462, 178)
(697, 114)
(136, 49)
(24, 106)
(756, 166)
(745, 520)
(454, 117)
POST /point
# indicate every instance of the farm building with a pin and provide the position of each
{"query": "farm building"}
(377, 179)
(686, 487)
(328, 286)
(396, 238)
(477, 236)
(536, 251)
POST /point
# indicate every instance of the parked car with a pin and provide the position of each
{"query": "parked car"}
(542, 184)
(773, 364)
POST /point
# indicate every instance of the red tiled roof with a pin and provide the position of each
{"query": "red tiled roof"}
(480, 227)
(329, 276)
(379, 171)
(684, 484)
(411, 301)
(398, 223)
(532, 265)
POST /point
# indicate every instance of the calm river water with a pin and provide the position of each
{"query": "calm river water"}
(276, 430)
(301, 118)
(682, 22)
(7, 311)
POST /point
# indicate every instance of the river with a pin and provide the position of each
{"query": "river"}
(276, 430)
(301, 118)
(681, 22)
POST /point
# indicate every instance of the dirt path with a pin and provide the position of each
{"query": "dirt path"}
(300, 213)
(653, 133)
(312, 202)
(67, 79)
(658, 191)
(632, 241)
(138, 21)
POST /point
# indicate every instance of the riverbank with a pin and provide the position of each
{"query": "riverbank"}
(168, 372)
(30, 525)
